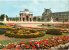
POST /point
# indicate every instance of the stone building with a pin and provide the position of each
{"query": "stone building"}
(26, 15)
(57, 16)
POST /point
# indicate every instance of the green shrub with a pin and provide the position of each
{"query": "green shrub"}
(10, 35)
(32, 31)
(2, 31)
(2, 24)
(54, 32)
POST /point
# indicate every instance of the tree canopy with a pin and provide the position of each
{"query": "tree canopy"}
(2, 17)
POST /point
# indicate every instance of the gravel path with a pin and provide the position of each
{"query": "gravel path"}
(2, 37)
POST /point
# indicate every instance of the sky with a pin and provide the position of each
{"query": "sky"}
(13, 7)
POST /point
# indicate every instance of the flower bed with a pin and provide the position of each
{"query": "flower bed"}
(10, 24)
(54, 31)
(64, 30)
(1, 26)
(2, 31)
(42, 44)
(24, 33)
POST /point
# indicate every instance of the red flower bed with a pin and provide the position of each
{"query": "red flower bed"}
(42, 44)
(11, 24)
(10, 46)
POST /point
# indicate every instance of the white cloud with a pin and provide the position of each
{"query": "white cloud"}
(38, 1)
(35, 1)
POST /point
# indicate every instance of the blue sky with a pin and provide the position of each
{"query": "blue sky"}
(13, 7)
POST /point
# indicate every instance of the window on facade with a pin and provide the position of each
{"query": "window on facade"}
(48, 19)
(57, 19)
(66, 20)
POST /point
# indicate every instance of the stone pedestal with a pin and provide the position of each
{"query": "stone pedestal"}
(5, 18)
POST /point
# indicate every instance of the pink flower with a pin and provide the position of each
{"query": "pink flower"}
(36, 42)
(18, 46)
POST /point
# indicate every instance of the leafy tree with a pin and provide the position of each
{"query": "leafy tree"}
(2, 17)
(42, 19)
(14, 18)
(39, 19)
(34, 18)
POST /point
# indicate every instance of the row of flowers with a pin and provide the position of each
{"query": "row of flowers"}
(61, 29)
(39, 28)
(5, 27)
(40, 44)
(24, 33)
(10, 24)
(31, 33)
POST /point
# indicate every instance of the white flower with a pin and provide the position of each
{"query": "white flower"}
(62, 46)
(66, 44)
(9, 43)
(52, 48)
(0, 44)
(32, 40)
(59, 40)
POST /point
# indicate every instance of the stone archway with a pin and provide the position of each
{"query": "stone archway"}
(27, 18)
(30, 19)
(23, 19)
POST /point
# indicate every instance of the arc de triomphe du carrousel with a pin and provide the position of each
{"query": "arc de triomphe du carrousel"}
(26, 15)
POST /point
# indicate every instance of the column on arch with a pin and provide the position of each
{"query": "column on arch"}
(31, 17)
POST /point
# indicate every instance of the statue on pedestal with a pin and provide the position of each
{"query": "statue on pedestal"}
(5, 18)
(51, 20)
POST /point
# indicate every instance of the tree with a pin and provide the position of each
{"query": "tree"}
(39, 19)
(14, 18)
(2, 17)
(34, 18)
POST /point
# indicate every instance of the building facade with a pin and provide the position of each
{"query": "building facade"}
(26, 15)
(57, 16)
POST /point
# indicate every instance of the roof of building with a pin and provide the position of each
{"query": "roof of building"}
(26, 11)
(61, 13)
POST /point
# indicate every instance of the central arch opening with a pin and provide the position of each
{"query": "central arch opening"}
(27, 18)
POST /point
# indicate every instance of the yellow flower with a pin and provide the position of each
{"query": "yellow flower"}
(37, 33)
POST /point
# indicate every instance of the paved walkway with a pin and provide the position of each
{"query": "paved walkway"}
(2, 37)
